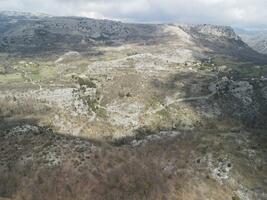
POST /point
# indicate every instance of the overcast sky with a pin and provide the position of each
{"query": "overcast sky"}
(238, 13)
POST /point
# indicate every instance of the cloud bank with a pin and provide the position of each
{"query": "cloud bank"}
(239, 13)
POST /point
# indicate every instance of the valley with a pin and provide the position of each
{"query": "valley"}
(112, 110)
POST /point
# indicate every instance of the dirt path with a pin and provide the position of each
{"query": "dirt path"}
(181, 100)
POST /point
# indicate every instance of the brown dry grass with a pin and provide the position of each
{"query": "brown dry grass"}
(160, 170)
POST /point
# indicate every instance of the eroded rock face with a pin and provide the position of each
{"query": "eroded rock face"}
(213, 30)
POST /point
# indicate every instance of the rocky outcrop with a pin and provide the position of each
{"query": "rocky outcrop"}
(242, 90)
(243, 100)
(222, 41)
(212, 30)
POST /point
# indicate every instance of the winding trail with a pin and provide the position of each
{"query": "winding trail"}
(206, 97)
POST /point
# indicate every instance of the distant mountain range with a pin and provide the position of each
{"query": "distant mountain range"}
(257, 39)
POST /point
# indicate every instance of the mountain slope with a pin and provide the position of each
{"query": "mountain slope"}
(97, 109)
(223, 41)
(256, 39)
(29, 33)
(38, 34)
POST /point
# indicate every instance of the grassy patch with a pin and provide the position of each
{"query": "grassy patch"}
(101, 112)
(47, 72)
(7, 78)
(229, 62)
(38, 71)
(249, 71)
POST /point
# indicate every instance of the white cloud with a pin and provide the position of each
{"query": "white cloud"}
(249, 13)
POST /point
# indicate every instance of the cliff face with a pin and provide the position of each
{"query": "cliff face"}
(212, 30)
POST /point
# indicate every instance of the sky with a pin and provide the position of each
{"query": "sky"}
(237, 13)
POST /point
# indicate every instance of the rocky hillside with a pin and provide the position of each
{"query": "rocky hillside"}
(36, 164)
(256, 39)
(98, 109)
(223, 41)
(25, 33)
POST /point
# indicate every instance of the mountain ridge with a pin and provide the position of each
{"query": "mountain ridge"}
(41, 34)
(256, 39)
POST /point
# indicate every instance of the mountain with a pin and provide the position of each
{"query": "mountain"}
(256, 39)
(223, 41)
(25, 33)
(100, 109)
